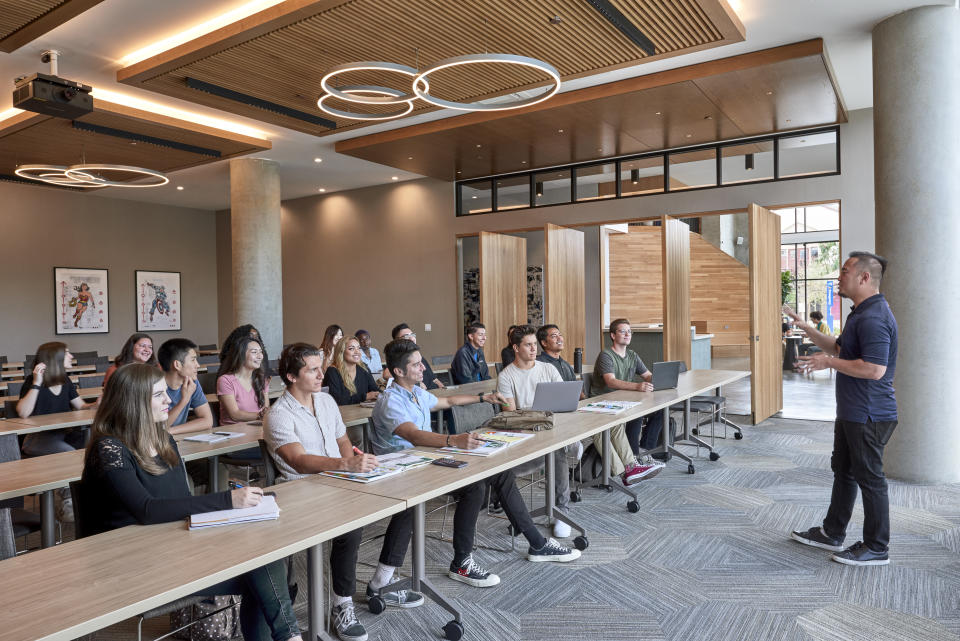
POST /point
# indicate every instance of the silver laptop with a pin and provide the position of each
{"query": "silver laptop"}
(557, 397)
(666, 374)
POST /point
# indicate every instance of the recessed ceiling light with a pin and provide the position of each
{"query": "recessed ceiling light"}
(788, 120)
(522, 162)
(689, 135)
(559, 131)
(769, 93)
(318, 160)
(657, 113)
(179, 187)
(394, 177)
(478, 146)
(409, 157)
(321, 190)
(474, 197)
(708, 117)
(459, 172)
(133, 142)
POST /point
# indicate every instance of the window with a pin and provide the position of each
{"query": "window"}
(813, 268)
(747, 163)
(476, 197)
(597, 181)
(692, 169)
(513, 192)
(552, 187)
(641, 176)
(809, 154)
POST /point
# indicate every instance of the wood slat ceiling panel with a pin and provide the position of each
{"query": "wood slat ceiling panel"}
(16, 14)
(285, 65)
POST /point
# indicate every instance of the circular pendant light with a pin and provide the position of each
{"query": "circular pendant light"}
(355, 91)
(53, 175)
(95, 173)
(388, 97)
(421, 87)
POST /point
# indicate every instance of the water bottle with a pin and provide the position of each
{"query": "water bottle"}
(578, 360)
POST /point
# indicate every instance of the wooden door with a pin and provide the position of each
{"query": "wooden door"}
(675, 241)
(766, 353)
(503, 288)
(564, 303)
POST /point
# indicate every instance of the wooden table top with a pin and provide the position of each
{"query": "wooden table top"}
(95, 582)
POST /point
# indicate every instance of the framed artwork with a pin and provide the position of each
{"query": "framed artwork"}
(81, 300)
(157, 298)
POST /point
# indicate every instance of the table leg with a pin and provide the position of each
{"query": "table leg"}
(316, 602)
(723, 418)
(605, 479)
(213, 472)
(47, 520)
(549, 508)
(687, 436)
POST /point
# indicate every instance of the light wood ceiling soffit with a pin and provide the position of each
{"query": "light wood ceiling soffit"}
(280, 54)
(774, 90)
(101, 137)
(23, 21)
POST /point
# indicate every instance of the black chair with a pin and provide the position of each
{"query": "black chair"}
(15, 522)
(3, 360)
(208, 382)
(210, 346)
(91, 381)
(499, 367)
(13, 389)
(270, 468)
(212, 358)
(84, 355)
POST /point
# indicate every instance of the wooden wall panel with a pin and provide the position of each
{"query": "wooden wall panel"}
(766, 364)
(676, 281)
(564, 301)
(503, 287)
(719, 297)
(636, 285)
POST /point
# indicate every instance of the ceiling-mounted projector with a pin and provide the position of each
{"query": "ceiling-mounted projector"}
(51, 95)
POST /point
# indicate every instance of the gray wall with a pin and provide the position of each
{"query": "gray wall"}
(43, 228)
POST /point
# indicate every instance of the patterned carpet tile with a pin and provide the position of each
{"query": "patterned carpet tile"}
(578, 620)
(903, 589)
(849, 622)
(724, 620)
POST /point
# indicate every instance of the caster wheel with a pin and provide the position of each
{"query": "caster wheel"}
(667, 457)
(738, 435)
(714, 456)
(376, 604)
(575, 497)
(453, 631)
(691, 469)
(608, 488)
(695, 432)
(581, 543)
(633, 507)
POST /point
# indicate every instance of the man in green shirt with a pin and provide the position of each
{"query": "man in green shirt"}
(616, 368)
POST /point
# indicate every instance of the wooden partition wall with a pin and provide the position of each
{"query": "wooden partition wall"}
(766, 355)
(564, 302)
(676, 290)
(503, 287)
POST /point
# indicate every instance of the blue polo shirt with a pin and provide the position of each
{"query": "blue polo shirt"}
(870, 334)
(395, 407)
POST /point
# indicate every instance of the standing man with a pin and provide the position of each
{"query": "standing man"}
(865, 357)
(468, 364)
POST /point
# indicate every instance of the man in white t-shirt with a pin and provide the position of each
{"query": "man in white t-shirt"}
(517, 383)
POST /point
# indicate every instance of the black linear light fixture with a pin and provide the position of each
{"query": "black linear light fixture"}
(621, 22)
(153, 140)
(266, 105)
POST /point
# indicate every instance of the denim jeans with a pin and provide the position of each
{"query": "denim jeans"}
(265, 610)
(858, 462)
(650, 427)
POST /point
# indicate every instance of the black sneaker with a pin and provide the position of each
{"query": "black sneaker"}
(553, 551)
(860, 554)
(816, 537)
(471, 573)
(346, 623)
(398, 599)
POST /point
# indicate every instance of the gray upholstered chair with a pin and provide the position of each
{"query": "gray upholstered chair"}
(17, 521)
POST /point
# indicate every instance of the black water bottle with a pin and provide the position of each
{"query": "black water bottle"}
(578, 360)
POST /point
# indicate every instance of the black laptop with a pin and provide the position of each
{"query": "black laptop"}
(666, 374)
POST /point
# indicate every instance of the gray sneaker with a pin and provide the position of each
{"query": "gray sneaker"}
(860, 554)
(816, 537)
(398, 599)
(348, 626)
(553, 551)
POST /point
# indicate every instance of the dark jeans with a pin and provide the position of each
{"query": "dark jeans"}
(858, 462)
(650, 427)
(265, 609)
(343, 552)
(504, 487)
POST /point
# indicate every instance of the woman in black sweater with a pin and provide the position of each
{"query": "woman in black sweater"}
(348, 379)
(134, 470)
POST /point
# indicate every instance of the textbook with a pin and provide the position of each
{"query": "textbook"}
(494, 442)
(267, 510)
(214, 437)
(609, 407)
(389, 465)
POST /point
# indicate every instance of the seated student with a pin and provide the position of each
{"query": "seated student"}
(48, 390)
(305, 435)
(178, 358)
(331, 336)
(506, 354)
(348, 381)
(468, 364)
(137, 349)
(430, 380)
(615, 369)
(401, 419)
(238, 333)
(133, 471)
(242, 382)
(517, 384)
(551, 344)
(369, 354)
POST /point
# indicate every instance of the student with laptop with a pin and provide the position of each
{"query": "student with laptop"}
(518, 383)
(615, 369)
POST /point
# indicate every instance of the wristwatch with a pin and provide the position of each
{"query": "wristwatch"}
(480, 396)
(35, 387)
(448, 440)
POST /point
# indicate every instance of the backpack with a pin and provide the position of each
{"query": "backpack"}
(591, 467)
(222, 626)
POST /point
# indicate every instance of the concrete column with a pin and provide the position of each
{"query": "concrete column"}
(916, 103)
(255, 242)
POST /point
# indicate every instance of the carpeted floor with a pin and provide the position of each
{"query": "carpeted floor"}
(707, 557)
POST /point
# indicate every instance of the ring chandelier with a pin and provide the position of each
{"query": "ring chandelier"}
(89, 175)
(420, 89)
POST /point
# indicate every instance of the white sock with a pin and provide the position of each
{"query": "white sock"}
(341, 600)
(382, 576)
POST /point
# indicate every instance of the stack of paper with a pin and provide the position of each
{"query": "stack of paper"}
(388, 465)
(267, 510)
(609, 407)
(214, 437)
(493, 443)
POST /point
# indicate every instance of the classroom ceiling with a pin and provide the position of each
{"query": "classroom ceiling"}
(789, 87)
(281, 54)
(22, 21)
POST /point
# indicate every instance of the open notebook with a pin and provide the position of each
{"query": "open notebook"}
(267, 510)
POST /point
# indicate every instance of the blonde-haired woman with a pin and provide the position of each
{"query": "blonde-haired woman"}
(134, 470)
(348, 379)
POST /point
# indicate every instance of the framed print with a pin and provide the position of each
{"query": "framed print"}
(81, 300)
(158, 301)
